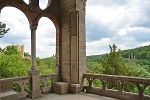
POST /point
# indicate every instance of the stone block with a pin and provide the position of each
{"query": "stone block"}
(74, 88)
(9, 95)
(60, 87)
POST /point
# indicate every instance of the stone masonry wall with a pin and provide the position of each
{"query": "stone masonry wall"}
(69, 6)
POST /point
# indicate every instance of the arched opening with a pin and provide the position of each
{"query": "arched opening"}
(43, 4)
(49, 82)
(130, 87)
(97, 83)
(19, 37)
(112, 85)
(46, 45)
(147, 91)
(16, 87)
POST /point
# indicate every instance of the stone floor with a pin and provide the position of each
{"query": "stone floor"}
(81, 96)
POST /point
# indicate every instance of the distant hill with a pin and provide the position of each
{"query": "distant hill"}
(142, 55)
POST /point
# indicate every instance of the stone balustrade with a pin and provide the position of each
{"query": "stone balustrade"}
(47, 82)
(7, 85)
(21, 85)
(121, 81)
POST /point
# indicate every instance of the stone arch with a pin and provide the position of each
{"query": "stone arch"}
(51, 17)
(22, 6)
(58, 34)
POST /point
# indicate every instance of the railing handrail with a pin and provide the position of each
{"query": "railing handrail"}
(125, 78)
(141, 84)
(48, 75)
(15, 78)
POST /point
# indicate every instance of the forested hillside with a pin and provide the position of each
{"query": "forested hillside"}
(141, 54)
(118, 63)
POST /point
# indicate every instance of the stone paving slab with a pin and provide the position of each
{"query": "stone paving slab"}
(81, 96)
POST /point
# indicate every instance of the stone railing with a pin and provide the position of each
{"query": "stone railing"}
(47, 82)
(19, 83)
(120, 81)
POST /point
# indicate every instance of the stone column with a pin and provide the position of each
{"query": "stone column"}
(34, 89)
(33, 47)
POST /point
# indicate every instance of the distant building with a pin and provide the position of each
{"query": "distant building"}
(131, 60)
(21, 49)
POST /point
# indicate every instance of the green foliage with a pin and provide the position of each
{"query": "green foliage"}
(26, 54)
(2, 50)
(12, 66)
(3, 29)
(130, 87)
(11, 50)
(97, 83)
(46, 65)
(147, 91)
(95, 68)
(113, 64)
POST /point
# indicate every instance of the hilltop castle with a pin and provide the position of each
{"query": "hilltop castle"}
(21, 49)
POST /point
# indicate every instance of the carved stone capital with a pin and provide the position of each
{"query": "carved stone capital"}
(33, 27)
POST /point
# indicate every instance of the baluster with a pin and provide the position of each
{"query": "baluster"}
(121, 85)
(104, 83)
(140, 87)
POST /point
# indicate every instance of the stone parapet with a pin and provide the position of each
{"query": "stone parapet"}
(121, 81)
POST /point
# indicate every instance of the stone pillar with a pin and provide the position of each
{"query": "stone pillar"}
(74, 67)
(34, 89)
(33, 47)
(73, 43)
(57, 51)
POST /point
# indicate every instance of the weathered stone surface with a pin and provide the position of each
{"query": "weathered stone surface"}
(34, 88)
(141, 84)
(74, 88)
(60, 87)
(9, 95)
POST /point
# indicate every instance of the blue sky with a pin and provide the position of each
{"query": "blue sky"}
(125, 23)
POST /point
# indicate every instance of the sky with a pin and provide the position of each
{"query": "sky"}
(125, 23)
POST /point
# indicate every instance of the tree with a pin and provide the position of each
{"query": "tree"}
(26, 54)
(114, 64)
(11, 50)
(1, 50)
(3, 29)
